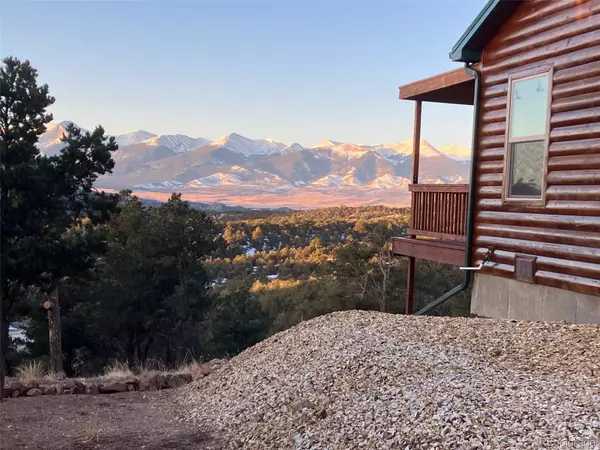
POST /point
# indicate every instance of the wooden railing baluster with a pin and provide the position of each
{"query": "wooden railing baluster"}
(439, 210)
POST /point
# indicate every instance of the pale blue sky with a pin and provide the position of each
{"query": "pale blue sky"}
(300, 71)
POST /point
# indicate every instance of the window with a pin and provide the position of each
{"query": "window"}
(527, 136)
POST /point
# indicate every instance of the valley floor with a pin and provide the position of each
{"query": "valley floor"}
(297, 198)
(135, 420)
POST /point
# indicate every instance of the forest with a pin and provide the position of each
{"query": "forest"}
(141, 283)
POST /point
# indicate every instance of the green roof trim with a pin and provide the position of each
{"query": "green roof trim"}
(482, 29)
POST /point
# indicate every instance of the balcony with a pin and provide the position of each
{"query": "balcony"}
(438, 223)
(439, 211)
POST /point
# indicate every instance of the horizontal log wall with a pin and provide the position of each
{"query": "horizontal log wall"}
(564, 233)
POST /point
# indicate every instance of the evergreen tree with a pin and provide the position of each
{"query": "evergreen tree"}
(41, 197)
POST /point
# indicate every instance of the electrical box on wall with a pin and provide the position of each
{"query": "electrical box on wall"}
(525, 268)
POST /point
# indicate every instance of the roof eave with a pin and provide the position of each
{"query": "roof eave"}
(465, 55)
(459, 51)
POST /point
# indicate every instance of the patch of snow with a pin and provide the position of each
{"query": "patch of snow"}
(327, 144)
(162, 184)
(50, 141)
(292, 148)
(179, 143)
(134, 137)
(456, 152)
(216, 179)
(389, 181)
(248, 147)
(272, 277)
(328, 180)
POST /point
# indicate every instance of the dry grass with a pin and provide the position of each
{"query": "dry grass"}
(150, 367)
(117, 369)
(32, 370)
(90, 432)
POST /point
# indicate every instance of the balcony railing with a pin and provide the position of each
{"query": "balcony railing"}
(439, 211)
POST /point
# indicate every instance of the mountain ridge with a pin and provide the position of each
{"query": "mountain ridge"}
(235, 166)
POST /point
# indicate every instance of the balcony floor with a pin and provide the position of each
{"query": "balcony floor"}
(444, 251)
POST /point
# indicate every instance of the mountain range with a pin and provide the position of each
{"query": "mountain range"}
(236, 170)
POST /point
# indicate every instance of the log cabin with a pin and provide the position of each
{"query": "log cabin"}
(526, 228)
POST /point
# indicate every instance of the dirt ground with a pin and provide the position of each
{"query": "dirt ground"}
(134, 420)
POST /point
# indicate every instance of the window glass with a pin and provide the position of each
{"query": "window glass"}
(529, 107)
(527, 169)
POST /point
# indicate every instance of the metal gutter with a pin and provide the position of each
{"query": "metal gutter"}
(471, 205)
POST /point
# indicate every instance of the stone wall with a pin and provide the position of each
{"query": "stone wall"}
(110, 385)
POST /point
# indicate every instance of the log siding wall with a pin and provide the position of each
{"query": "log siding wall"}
(564, 233)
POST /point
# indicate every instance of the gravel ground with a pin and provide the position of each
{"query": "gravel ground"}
(132, 420)
(378, 381)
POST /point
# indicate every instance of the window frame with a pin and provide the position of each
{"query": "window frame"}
(547, 69)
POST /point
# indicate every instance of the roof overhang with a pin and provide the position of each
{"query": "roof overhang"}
(485, 26)
(456, 87)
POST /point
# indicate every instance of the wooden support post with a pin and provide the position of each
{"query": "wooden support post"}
(410, 276)
(410, 285)
(416, 142)
(2, 345)
(54, 333)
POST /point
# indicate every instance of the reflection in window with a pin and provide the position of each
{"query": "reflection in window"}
(529, 107)
(527, 169)
(527, 131)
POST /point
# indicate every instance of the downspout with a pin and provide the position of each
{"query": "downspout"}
(471, 205)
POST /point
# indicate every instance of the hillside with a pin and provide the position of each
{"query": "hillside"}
(236, 170)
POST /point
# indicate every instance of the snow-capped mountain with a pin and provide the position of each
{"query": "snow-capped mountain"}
(456, 152)
(247, 147)
(237, 165)
(177, 142)
(292, 148)
(50, 143)
(134, 137)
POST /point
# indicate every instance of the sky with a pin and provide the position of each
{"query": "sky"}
(296, 71)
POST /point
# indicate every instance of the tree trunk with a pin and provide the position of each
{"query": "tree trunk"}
(55, 333)
(3, 343)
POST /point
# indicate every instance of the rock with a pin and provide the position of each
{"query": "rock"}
(178, 380)
(153, 382)
(133, 384)
(146, 384)
(25, 386)
(161, 381)
(49, 390)
(79, 388)
(15, 394)
(60, 388)
(112, 388)
(69, 384)
(6, 392)
(206, 369)
(92, 389)
(34, 392)
(14, 386)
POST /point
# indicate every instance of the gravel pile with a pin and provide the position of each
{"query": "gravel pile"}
(378, 381)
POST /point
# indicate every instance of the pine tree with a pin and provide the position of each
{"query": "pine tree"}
(41, 197)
